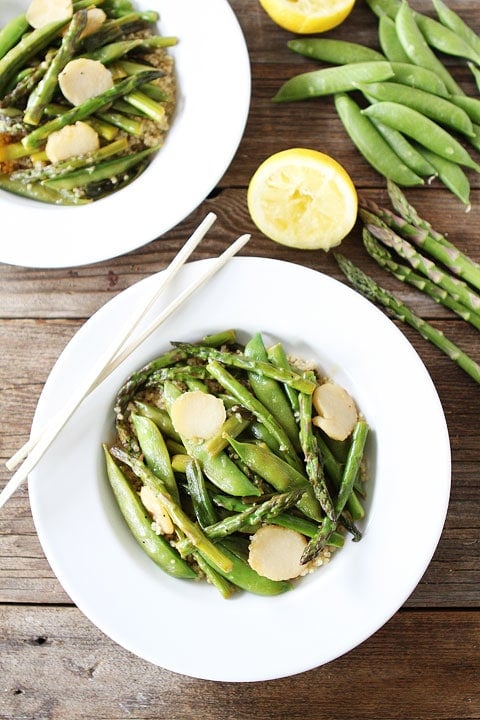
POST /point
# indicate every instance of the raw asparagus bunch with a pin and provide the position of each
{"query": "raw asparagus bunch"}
(432, 263)
(399, 310)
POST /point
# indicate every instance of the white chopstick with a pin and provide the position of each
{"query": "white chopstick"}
(53, 428)
(90, 381)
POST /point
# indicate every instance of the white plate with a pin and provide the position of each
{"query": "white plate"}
(187, 627)
(214, 96)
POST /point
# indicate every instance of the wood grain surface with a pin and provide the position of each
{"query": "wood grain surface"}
(424, 663)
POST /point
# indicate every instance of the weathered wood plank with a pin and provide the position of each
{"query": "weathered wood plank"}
(56, 665)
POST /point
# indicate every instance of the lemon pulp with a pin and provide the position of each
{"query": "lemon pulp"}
(302, 198)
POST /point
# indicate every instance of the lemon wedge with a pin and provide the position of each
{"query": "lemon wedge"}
(302, 198)
(307, 16)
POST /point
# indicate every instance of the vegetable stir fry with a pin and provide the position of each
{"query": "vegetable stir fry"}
(87, 96)
(236, 463)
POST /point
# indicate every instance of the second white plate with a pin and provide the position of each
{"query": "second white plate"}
(213, 72)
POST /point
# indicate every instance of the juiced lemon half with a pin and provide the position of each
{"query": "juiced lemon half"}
(303, 198)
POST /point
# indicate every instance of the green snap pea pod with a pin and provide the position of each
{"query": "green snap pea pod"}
(11, 33)
(384, 7)
(270, 392)
(332, 80)
(418, 50)
(337, 52)
(30, 44)
(219, 469)
(36, 191)
(43, 92)
(370, 143)
(334, 470)
(352, 465)
(160, 417)
(470, 105)
(179, 518)
(277, 356)
(263, 415)
(155, 452)
(419, 77)
(444, 39)
(450, 36)
(432, 106)
(389, 42)
(245, 577)
(224, 586)
(202, 504)
(156, 547)
(261, 434)
(313, 463)
(452, 20)
(425, 131)
(87, 108)
(278, 474)
(294, 379)
(451, 175)
(412, 157)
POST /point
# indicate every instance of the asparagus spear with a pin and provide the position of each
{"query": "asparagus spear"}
(406, 274)
(311, 453)
(43, 92)
(250, 517)
(36, 138)
(434, 244)
(374, 292)
(110, 169)
(458, 289)
(289, 377)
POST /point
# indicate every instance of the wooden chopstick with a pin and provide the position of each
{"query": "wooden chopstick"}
(122, 337)
(53, 427)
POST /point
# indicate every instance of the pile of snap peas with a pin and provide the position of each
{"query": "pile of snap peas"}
(131, 118)
(410, 119)
(267, 464)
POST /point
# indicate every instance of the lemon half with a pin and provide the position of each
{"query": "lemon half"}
(307, 16)
(303, 198)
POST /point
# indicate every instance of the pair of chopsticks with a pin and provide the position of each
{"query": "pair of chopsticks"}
(34, 449)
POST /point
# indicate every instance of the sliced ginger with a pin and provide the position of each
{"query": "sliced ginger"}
(337, 413)
(72, 141)
(83, 78)
(43, 12)
(275, 552)
(198, 415)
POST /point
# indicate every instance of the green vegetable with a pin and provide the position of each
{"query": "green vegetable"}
(374, 292)
(371, 144)
(426, 132)
(329, 81)
(156, 547)
(219, 490)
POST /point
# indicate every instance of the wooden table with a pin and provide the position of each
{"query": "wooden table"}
(425, 662)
